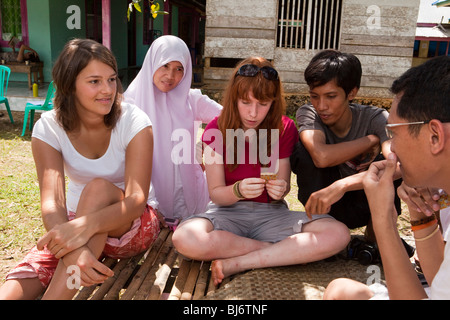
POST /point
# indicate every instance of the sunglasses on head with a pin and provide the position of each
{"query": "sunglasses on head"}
(251, 70)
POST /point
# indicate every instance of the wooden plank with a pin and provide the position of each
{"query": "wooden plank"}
(393, 9)
(379, 40)
(389, 26)
(236, 22)
(384, 66)
(238, 8)
(378, 50)
(241, 33)
(218, 73)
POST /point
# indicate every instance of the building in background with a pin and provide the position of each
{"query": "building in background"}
(387, 36)
(46, 25)
(433, 31)
(290, 32)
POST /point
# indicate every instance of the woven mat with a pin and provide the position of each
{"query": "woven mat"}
(299, 282)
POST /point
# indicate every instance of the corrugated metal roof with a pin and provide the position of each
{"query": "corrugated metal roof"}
(433, 32)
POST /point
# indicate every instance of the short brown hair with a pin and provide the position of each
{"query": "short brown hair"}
(75, 56)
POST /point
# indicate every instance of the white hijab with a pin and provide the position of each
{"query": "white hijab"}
(167, 112)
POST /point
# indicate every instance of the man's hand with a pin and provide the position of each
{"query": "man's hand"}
(379, 188)
(320, 202)
(420, 201)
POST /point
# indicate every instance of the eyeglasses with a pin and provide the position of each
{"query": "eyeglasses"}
(388, 127)
(251, 70)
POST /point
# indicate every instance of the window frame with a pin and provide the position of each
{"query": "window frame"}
(309, 24)
(24, 21)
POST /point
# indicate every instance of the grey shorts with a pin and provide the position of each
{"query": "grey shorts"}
(269, 222)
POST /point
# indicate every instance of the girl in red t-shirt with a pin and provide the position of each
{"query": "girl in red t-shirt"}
(248, 225)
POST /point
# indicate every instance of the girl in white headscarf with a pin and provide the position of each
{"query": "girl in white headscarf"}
(163, 90)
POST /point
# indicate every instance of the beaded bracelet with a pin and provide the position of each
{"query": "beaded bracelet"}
(423, 221)
(236, 190)
(424, 225)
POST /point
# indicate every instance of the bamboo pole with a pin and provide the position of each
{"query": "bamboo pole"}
(191, 280)
(149, 280)
(104, 288)
(85, 292)
(114, 292)
(202, 280)
(162, 275)
(146, 265)
(178, 286)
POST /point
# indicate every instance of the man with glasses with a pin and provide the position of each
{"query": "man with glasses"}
(338, 141)
(419, 129)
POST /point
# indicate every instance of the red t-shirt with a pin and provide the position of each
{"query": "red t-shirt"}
(288, 139)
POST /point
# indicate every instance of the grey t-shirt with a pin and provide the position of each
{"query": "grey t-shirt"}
(366, 120)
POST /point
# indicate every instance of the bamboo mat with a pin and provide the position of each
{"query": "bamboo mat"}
(162, 274)
(299, 282)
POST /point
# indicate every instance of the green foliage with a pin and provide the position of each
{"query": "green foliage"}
(154, 8)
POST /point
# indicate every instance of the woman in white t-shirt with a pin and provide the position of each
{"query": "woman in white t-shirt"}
(102, 145)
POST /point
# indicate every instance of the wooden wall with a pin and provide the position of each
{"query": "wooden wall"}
(385, 51)
(237, 29)
(380, 32)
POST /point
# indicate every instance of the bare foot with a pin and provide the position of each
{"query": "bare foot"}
(220, 269)
(217, 272)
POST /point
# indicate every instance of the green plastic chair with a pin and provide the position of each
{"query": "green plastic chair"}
(30, 107)
(4, 78)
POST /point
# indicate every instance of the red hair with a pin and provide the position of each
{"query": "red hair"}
(240, 87)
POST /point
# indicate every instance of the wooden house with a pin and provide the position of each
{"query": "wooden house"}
(433, 31)
(290, 32)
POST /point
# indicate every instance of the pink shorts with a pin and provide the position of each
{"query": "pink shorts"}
(42, 263)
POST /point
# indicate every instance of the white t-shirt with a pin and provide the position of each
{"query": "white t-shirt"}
(440, 288)
(81, 170)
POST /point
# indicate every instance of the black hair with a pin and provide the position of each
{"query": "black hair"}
(330, 65)
(425, 92)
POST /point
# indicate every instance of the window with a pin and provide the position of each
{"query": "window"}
(94, 20)
(309, 24)
(13, 20)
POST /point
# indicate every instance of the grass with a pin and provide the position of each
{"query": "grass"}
(20, 220)
(19, 192)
